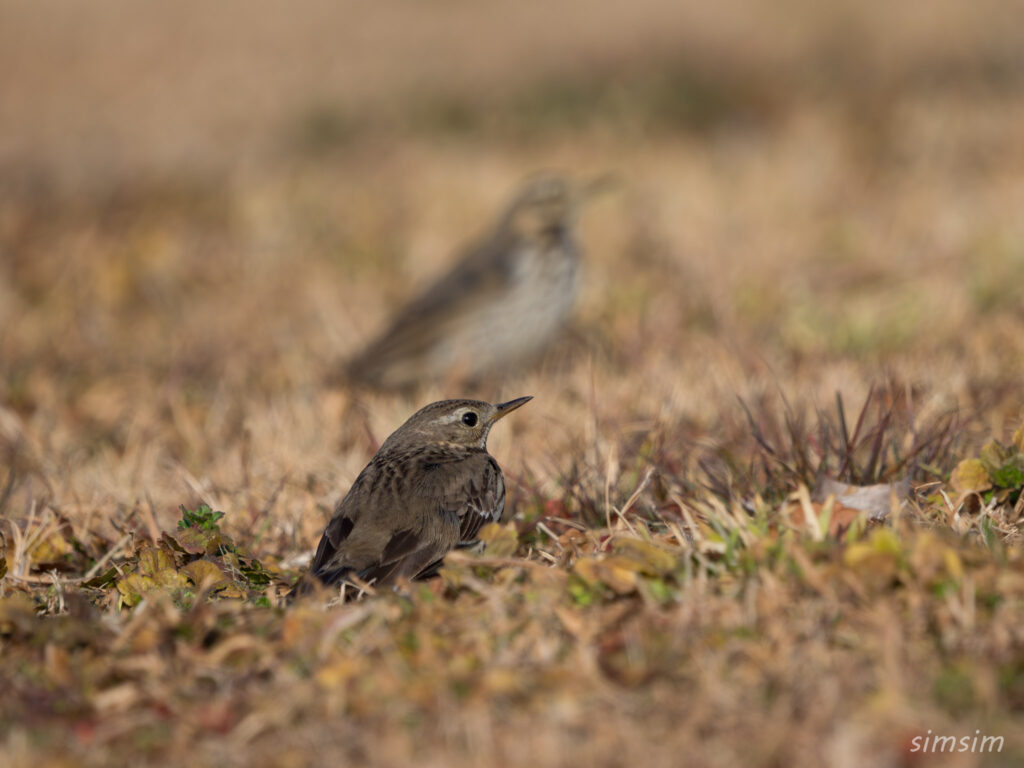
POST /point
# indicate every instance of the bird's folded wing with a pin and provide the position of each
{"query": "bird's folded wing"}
(370, 548)
(373, 547)
(476, 495)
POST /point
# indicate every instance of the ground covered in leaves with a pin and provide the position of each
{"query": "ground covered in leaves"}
(764, 508)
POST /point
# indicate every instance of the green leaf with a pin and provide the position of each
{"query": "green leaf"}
(102, 581)
(582, 593)
(993, 455)
(203, 518)
(257, 576)
(988, 535)
(1008, 476)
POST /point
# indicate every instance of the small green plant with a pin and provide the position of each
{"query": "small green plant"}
(203, 518)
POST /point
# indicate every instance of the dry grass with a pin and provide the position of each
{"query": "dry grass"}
(814, 202)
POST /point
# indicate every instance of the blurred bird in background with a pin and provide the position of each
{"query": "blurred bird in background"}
(501, 304)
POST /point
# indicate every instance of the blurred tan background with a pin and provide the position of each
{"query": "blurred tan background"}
(115, 89)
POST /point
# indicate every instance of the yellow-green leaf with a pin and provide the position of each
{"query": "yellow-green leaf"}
(970, 475)
(645, 557)
(501, 540)
(877, 560)
(203, 573)
(617, 573)
(52, 548)
(133, 587)
(994, 455)
(153, 561)
(586, 570)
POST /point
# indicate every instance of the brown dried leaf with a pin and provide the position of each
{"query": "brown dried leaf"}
(196, 541)
(17, 615)
(875, 500)
(170, 542)
(841, 519)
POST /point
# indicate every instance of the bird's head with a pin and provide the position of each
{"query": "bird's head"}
(461, 422)
(546, 206)
(543, 209)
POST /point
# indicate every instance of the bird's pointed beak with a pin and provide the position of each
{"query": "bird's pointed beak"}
(599, 185)
(504, 409)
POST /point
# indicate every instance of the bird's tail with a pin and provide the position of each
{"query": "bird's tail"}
(324, 581)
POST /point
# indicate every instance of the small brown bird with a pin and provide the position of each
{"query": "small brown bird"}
(429, 488)
(500, 305)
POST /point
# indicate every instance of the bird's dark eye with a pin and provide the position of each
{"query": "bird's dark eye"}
(469, 419)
